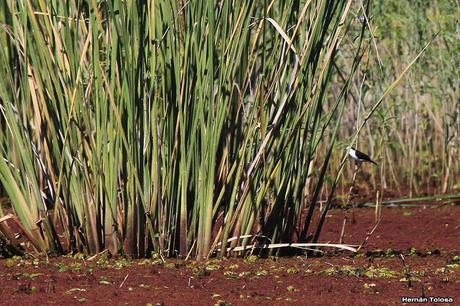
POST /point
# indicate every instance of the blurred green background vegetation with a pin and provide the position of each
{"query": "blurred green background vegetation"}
(415, 133)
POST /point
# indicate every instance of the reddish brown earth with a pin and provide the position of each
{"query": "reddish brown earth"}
(429, 265)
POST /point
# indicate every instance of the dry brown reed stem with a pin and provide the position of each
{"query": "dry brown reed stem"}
(378, 206)
(21, 227)
(349, 205)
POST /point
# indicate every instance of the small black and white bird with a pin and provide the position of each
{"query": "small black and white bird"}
(359, 156)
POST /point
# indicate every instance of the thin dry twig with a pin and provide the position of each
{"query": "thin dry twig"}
(124, 280)
(378, 206)
(98, 254)
(348, 247)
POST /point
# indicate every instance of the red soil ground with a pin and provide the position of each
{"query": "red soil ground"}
(427, 237)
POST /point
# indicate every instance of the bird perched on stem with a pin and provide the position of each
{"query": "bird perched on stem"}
(359, 156)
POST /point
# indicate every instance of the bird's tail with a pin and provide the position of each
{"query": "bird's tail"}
(373, 162)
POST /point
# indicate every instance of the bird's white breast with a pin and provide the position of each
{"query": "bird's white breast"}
(353, 154)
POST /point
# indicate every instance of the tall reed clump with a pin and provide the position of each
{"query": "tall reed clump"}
(168, 126)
